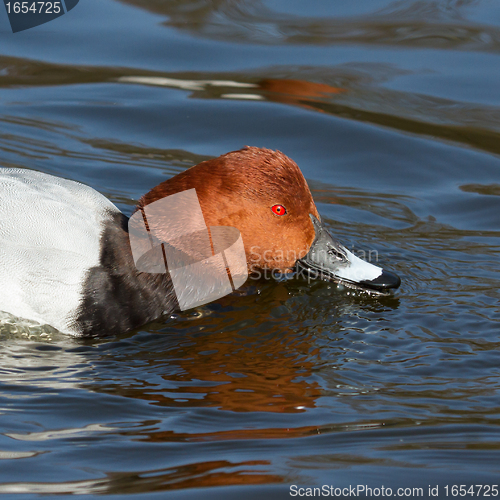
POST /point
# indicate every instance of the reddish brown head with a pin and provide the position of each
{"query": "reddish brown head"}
(260, 192)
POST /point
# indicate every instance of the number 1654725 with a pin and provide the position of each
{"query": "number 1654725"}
(34, 7)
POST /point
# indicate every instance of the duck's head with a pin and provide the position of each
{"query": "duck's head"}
(264, 195)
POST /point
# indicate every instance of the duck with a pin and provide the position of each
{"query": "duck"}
(67, 253)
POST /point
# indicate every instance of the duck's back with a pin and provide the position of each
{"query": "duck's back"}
(50, 236)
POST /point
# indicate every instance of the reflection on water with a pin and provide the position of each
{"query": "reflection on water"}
(489, 189)
(433, 24)
(347, 91)
(200, 475)
(391, 110)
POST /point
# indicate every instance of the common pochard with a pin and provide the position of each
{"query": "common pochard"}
(65, 251)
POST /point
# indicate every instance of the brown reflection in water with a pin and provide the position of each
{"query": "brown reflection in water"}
(352, 95)
(245, 360)
(235, 434)
(195, 475)
(251, 376)
(294, 92)
(485, 189)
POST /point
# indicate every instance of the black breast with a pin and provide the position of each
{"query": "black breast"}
(117, 297)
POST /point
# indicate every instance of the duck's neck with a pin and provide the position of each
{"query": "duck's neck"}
(118, 297)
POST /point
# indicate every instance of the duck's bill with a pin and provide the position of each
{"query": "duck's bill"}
(329, 260)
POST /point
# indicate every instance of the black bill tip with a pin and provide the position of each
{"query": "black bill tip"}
(385, 281)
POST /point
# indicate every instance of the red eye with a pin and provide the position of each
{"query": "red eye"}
(279, 209)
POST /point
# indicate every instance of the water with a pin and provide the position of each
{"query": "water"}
(393, 114)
